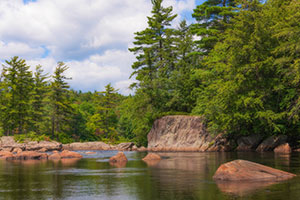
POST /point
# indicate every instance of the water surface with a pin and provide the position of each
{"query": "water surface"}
(178, 176)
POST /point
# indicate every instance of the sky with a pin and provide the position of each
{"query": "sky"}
(91, 36)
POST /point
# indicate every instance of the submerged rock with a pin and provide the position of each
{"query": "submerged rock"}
(242, 170)
(69, 154)
(118, 158)
(151, 156)
(284, 148)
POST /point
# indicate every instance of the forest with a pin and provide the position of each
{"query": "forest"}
(237, 65)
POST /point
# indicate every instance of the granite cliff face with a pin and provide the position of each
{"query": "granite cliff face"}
(188, 133)
(184, 133)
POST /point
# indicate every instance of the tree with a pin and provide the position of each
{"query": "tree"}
(17, 85)
(39, 100)
(60, 103)
(212, 17)
(151, 45)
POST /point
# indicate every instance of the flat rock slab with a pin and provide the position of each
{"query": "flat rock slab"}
(242, 170)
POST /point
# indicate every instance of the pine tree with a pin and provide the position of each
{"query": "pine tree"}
(151, 46)
(39, 100)
(60, 104)
(18, 85)
(212, 18)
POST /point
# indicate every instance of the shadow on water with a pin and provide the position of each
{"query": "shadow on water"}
(177, 176)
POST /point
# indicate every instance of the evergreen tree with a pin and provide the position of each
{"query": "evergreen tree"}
(39, 100)
(151, 45)
(60, 103)
(17, 85)
(212, 18)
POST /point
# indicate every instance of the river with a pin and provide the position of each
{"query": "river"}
(178, 176)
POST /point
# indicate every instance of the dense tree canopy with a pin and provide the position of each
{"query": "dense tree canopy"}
(238, 66)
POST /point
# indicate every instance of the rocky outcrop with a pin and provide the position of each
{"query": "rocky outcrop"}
(184, 133)
(248, 143)
(30, 155)
(242, 170)
(6, 155)
(118, 158)
(271, 143)
(8, 143)
(284, 148)
(124, 146)
(86, 146)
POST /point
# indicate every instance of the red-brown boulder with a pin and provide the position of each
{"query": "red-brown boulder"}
(152, 156)
(30, 155)
(284, 148)
(118, 158)
(6, 155)
(70, 154)
(54, 156)
(242, 170)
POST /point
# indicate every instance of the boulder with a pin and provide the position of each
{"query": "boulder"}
(43, 150)
(248, 143)
(17, 150)
(134, 148)
(242, 170)
(6, 155)
(118, 158)
(271, 143)
(124, 146)
(151, 156)
(45, 145)
(30, 155)
(76, 146)
(70, 154)
(54, 156)
(142, 149)
(90, 152)
(284, 148)
(184, 133)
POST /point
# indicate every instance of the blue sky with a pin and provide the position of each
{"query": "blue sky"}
(92, 36)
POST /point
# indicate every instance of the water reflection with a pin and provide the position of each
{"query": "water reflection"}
(177, 176)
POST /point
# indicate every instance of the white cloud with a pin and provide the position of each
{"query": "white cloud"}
(91, 36)
(8, 50)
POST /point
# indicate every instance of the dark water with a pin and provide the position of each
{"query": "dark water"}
(178, 176)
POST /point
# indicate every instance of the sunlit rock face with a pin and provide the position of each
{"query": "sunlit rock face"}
(184, 133)
(242, 170)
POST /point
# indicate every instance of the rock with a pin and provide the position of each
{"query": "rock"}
(17, 150)
(118, 158)
(45, 145)
(86, 146)
(6, 155)
(134, 148)
(10, 149)
(284, 148)
(54, 156)
(248, 143)
(271, 143)
(152, 156)
(242, 170)
(142, 149)
(296, 150)
(30, 155)
(124, 146)
(90, 152)
(184, 133)
(43, 150)
(70, 154)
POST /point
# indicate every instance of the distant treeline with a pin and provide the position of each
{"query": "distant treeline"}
(238, 66)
